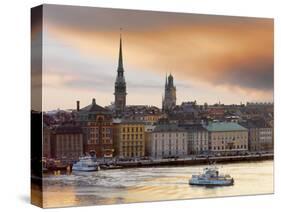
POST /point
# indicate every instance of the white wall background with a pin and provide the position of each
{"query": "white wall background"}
(15, 101)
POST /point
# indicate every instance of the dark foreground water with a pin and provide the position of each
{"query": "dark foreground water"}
(151, 184)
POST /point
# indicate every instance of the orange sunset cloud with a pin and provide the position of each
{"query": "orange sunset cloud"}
(228, 53)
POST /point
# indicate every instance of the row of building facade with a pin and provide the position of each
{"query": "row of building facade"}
(95, 129)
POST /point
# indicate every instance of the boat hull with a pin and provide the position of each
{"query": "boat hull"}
(227, 182)
(85, 169)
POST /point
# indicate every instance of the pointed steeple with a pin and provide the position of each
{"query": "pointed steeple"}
(170, 80)
(120, 84)
(120, 60)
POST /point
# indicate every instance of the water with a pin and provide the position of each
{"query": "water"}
(152, 184)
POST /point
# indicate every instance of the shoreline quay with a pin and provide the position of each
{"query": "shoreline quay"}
(192, 161)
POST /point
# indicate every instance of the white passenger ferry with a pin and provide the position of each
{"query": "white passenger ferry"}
(211, 176)
(86, 164)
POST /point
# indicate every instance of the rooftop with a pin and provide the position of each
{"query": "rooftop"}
(193, 127)
(128, 121)
(68, 129)
(259, 123)
(224, 127)
(94, 108)
(168, 128)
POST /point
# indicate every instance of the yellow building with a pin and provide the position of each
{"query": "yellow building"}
(129, 139)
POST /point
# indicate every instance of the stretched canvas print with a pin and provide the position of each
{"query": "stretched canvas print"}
(135, 106)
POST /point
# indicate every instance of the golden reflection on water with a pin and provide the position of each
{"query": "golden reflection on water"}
(152, 184)
(59, 197)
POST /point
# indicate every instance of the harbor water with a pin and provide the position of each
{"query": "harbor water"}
(152, 184)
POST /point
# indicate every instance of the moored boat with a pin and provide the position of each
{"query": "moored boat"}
(86, 164)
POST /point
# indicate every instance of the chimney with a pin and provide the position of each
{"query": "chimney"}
(77, 105)
(93, 101)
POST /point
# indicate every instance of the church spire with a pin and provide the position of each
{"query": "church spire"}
(120, 60)
(120, 84)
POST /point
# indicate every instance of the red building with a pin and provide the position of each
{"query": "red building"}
(96, 123)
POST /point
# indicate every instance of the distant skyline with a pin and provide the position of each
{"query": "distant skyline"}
(212, 58)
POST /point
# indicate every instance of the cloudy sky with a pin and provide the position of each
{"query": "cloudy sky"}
(212, 58)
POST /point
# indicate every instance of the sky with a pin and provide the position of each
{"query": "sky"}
(212, 58)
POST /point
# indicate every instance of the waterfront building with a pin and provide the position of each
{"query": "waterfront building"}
(67, 143)
(129, 139)
(266, 139)
(148, 129)
(168, 140)
(96, 123)
(197, 138)
(169, 101)
(261, 139)
(227, 137)
(46, 141)
(120, 85)
(260, 135)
